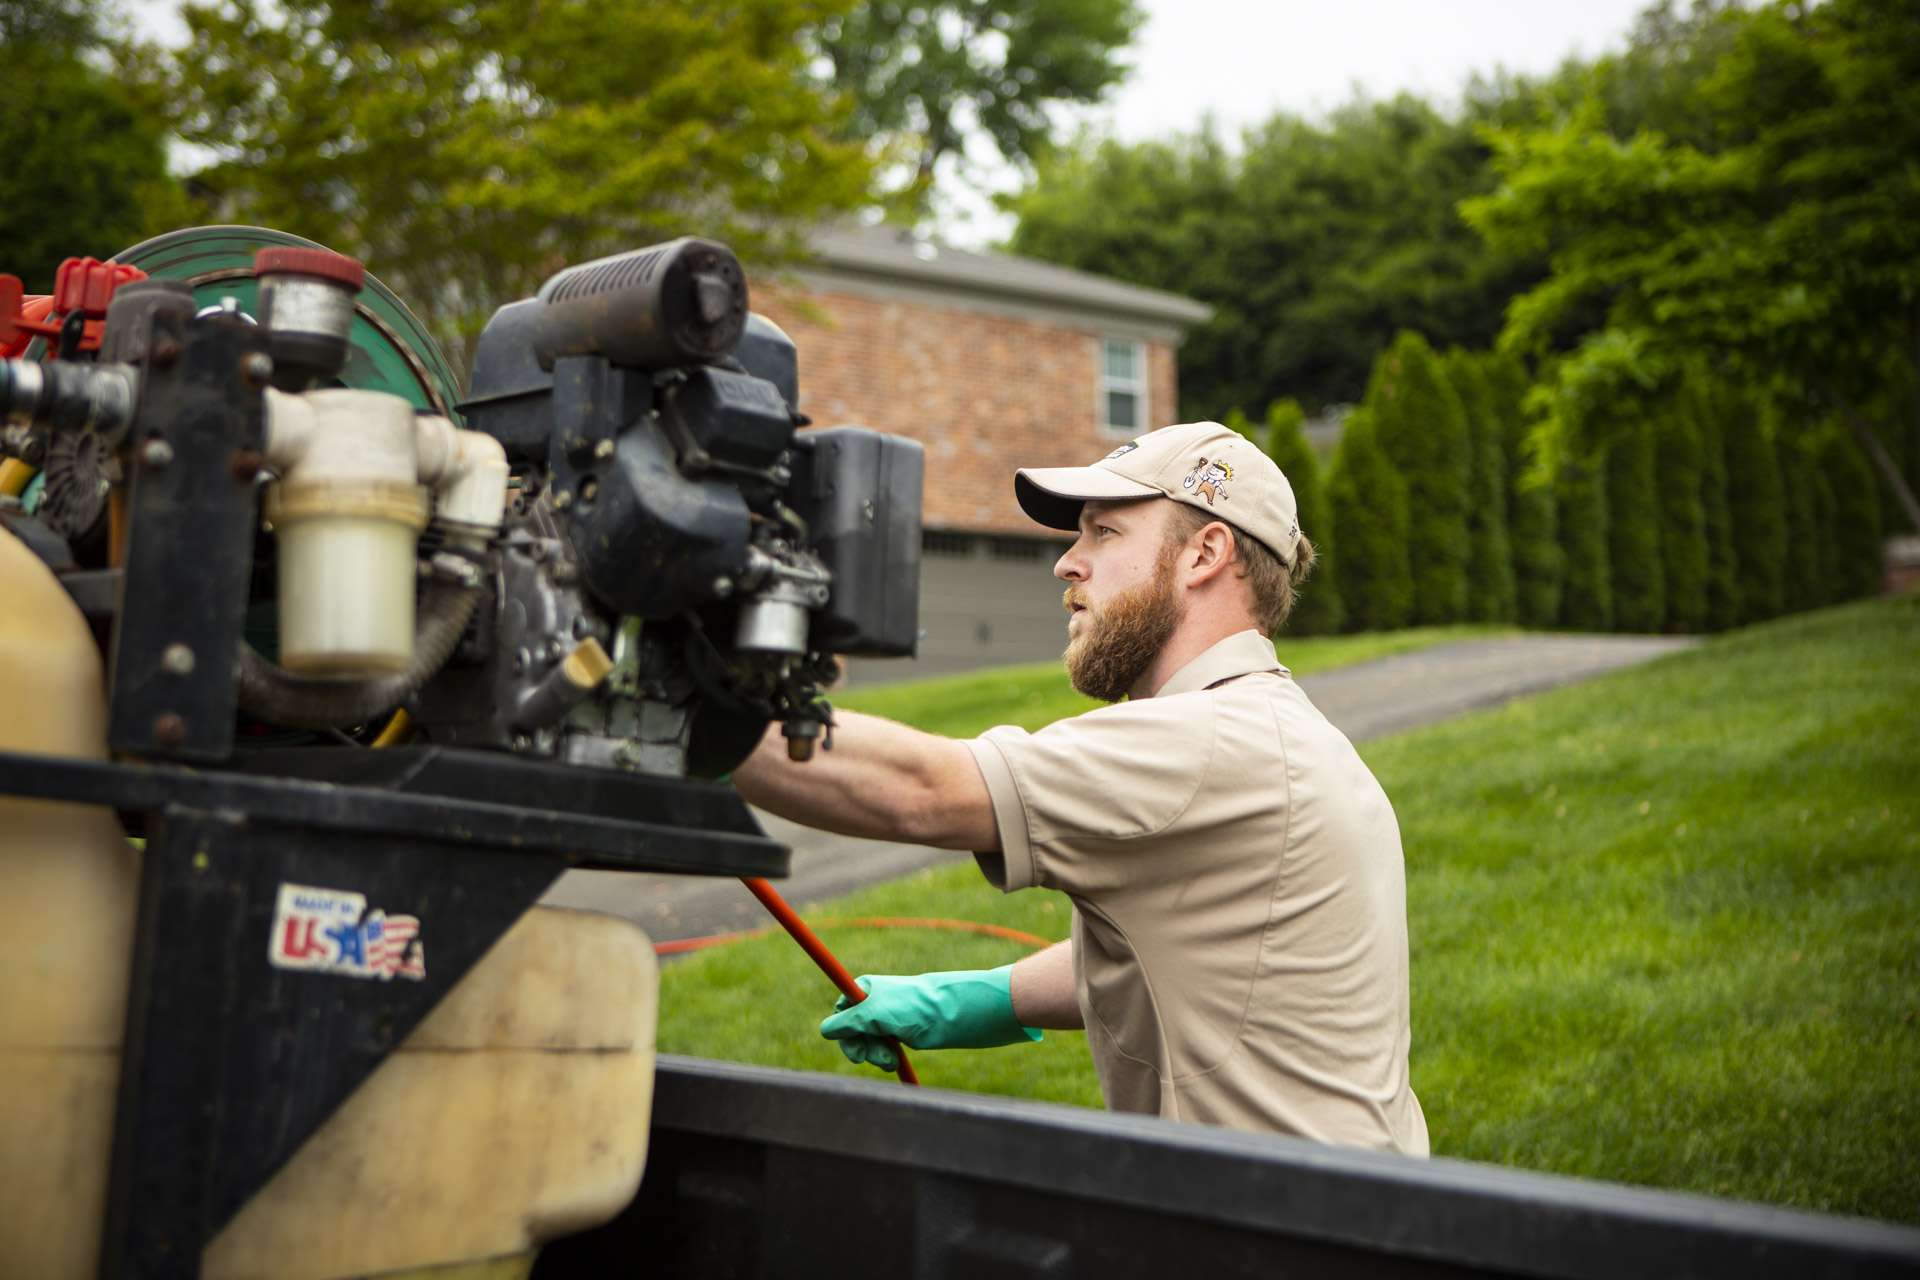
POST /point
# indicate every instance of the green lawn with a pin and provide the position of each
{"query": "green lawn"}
(1662, 924)
(1037, 694)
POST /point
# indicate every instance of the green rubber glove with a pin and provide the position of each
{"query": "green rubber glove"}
(965, 1009)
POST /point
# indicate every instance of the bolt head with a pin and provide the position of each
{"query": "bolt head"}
(169, 729)
(257, 368)
(177, 659)
(603, 450)
(723, 586)
(156, 453)
(562, 499)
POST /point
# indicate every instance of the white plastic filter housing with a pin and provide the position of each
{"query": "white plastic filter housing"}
(348, 511)
(347, 577)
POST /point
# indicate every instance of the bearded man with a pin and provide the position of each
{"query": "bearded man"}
(1239, 946)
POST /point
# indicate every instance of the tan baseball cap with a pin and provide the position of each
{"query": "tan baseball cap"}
(1202, 464)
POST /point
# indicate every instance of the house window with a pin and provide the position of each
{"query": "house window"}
(1123, 386)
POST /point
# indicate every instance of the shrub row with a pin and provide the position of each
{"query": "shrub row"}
(1691, 509)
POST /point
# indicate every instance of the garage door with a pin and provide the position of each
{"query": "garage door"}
(984, 602)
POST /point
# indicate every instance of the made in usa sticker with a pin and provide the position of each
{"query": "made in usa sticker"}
(331, 931)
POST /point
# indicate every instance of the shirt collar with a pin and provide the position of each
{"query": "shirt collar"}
(1240, 654)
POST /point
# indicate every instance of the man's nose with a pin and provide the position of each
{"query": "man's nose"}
(1070, 567)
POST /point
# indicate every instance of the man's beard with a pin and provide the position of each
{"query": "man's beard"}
(1116, 645)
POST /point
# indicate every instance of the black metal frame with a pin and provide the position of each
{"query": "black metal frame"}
(234, 1056)
(230, 1063)
(758, 1172)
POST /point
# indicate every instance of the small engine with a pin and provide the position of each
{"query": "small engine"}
(666, 510)
(628, 558)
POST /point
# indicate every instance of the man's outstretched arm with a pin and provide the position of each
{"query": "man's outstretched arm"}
(881, 780)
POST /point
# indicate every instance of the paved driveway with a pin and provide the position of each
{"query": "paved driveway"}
(1369, 700)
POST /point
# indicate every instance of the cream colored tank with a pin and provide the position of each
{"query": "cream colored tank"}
(488, 1132)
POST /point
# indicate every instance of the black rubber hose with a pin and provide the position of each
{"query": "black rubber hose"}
(271, 693)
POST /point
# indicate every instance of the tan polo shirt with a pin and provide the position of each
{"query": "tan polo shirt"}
(1240, 932)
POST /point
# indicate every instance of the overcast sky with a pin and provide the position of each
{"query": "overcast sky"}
(1241, 60)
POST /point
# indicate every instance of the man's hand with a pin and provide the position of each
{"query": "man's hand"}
(964, 1009)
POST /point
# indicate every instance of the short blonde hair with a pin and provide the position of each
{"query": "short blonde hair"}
(1273, 584)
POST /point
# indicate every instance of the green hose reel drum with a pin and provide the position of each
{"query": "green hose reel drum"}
(390, 350)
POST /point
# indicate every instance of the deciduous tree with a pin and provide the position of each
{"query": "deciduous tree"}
(86, 160)
(468, 150)
(940, 71)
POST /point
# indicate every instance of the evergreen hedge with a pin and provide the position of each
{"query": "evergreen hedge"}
(1533, 533)
(1422, 428)
(1490, 586)
(1701, 406)
(1368, 497)
(1637, 572)
(1757, 508)
(1826, 520)
(1683, 519)
(1856, 524)
(1586, 602)
(1803, 585)
(1318, 610)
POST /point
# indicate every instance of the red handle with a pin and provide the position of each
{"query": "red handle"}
(790, 921)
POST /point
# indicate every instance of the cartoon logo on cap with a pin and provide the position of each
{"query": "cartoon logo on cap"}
(1208, 480)
(1126, 448)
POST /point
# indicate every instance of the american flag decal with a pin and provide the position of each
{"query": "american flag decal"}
(331, 931)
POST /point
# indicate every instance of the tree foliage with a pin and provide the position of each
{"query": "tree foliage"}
(1634, 551)
(1490, 584)
(1580, 489)
(467, 151)
(1533, 523)
(939, 71)
(1781, 241)
(1681, 482)
(1319, 610)
(1314, 243)
(1757, 509)
(1856, 530)
(87, 158)
(1368, 498)
(1422, 427)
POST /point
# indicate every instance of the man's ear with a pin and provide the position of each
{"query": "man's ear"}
(1209, 552)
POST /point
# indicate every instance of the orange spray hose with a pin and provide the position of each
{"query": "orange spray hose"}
(790, 921)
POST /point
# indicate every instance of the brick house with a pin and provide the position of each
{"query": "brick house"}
(992, 362)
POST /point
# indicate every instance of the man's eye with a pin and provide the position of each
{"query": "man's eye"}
(1101, 528)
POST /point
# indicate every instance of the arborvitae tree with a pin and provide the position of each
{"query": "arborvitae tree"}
(1423, 429)
(1638, 574)
(1683, 518)
(1318, 610)
(1758, 510)
(1586, 602)
(1700, 403)
(1369, 501)
(1812, 472)
(1532, 518)
(1801, 584)
(1489, 558)
(1856, 524)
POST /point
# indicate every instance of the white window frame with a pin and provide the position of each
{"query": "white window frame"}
(1136, 386)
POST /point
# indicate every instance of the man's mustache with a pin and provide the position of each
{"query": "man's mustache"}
(1073, 598)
